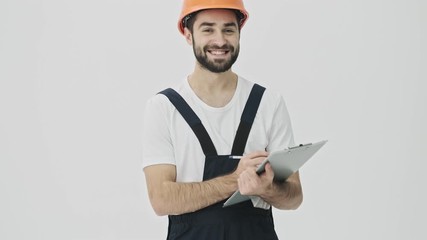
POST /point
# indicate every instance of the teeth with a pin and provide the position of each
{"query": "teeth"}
(217, 52)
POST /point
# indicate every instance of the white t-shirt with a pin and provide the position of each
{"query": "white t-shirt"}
(168, 139)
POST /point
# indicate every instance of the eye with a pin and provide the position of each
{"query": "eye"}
(207, 30)
(229, 31)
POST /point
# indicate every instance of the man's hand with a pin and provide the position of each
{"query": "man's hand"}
(250, 161)
(250, 183)
(282, 195)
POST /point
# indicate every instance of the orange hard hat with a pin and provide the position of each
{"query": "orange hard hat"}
(191, 6)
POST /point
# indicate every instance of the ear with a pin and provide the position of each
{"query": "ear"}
(188, 36)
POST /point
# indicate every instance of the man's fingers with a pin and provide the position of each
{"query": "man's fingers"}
(248, 182)
(269, 173)
(255, 158)
(257, 154)
(251, 160)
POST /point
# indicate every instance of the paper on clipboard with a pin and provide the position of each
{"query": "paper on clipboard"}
(284, 163)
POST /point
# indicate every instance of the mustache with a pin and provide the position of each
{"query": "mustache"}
(226, 47)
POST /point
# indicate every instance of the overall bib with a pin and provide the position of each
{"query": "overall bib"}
(237, 222)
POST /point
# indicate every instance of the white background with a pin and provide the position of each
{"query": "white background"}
(75, 76)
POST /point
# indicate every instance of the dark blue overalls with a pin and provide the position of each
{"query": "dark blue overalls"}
(237, 222)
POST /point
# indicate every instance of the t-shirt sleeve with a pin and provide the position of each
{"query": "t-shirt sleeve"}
(157, 145)
(281, 133)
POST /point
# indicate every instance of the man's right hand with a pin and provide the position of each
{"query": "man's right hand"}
(251, 160)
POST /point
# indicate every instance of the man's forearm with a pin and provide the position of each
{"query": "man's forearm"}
(178, 198)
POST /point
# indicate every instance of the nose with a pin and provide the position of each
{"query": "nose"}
(219, 39)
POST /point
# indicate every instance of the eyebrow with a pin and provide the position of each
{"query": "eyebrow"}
(231, 24)
(210, 24)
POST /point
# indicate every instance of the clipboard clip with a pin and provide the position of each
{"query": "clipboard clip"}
(301, 145)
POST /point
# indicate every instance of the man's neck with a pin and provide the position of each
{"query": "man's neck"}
(215, 89)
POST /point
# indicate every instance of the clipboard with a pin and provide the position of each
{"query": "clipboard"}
(284, 163)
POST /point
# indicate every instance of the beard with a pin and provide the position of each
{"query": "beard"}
(216, 65)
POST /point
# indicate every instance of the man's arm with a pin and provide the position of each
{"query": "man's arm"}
(169, 197)
(285, 195)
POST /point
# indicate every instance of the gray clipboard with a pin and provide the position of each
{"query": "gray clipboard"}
(284, 163)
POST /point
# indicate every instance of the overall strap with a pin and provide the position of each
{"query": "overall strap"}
(192, 119)
(247, 119)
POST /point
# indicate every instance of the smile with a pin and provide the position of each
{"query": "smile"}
(218, 52)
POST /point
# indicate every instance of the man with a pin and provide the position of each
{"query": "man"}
(192, 130)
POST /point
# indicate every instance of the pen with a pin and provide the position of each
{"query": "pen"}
(235, 157)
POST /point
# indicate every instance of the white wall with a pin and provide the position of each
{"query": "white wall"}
(75, 75)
